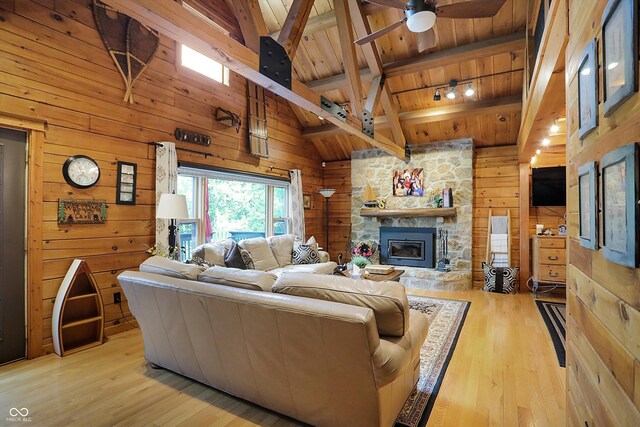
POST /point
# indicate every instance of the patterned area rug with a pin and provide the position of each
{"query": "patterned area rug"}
(446, 318)
(554, 315)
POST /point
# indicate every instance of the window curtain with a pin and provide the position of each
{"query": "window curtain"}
(296, 207)
(166, 182)
(208, 230)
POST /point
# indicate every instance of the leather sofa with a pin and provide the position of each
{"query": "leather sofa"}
(316, 360)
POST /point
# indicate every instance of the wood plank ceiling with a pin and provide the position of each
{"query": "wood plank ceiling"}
(319, 57)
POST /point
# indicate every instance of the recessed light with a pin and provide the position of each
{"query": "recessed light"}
(538, 151)
(554, 127)
(546, 142)
(533, 159)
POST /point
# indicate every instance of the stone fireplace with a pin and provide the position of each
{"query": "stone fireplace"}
(445, 164)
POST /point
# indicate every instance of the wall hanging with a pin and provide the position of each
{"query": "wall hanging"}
(257, 117)
(228, 118)
(131, 44)
(588, 205)
(71, 211)
(588, 90)
(126, 191)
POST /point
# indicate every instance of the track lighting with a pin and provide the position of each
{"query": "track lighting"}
(533, 159)
(538, 151)
(554, 127)
(469, 91)
(436, 96)
(546, 142)
(451, 94)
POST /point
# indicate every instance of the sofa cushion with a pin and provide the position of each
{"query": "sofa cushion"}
(282, 247)
(246, 279)
(319, 268)
(387, 299)
(234, 258)
(305, 253)
(167, 267)
(260, 253)
(213, 253)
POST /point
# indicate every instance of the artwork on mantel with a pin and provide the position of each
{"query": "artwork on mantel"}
(619, 53)
(588, 205)
(620, 208)
(588, 90)
(408, 182)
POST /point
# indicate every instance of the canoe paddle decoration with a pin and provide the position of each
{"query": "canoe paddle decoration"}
(131, 44)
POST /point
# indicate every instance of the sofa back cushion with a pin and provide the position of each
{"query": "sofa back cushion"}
(167, 267)
(387, 299)
(254, 280)
(212, 253)
(261, 254)
(282, 246)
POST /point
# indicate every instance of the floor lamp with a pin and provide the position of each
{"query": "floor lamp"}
(172, 207)
(327, 192)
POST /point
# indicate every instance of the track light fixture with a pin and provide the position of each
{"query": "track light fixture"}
(469, 91)
(451, 93)
(554, 127)
(450, 90)
(436, 95)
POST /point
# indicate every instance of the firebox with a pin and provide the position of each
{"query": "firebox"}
(408, 246)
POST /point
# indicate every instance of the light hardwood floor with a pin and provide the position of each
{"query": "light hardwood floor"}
(504, 372)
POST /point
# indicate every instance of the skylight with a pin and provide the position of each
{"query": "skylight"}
(204, 65)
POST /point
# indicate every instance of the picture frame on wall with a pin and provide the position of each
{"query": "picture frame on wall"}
(619, 53)
(306, 200)
(588, 205)
(126, 186)
(620, 208)
(588, 90)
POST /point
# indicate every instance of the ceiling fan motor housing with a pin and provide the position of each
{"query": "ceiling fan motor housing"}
(420, 15)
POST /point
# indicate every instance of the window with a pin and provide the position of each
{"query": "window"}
(238, 206)
(204, 65)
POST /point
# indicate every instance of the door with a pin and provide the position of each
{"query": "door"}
(12, 241)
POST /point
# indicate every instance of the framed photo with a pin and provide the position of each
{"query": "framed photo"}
(588, 90)
(562, 230)
(306, 200)
(619, 53)
(408, 182)
(588, 205)
(126, 190)
(620, 208)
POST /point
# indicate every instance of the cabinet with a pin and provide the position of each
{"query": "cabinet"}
(77, 321)
(549, 263)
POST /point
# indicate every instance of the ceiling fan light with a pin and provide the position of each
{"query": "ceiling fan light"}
(451, 93)
(421, 21)
(436, 96)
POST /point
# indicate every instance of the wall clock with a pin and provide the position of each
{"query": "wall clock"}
(81, 171)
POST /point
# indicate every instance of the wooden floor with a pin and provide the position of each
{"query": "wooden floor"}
(504, 372)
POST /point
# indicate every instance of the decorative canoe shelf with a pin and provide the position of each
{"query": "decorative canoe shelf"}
(407, 213)
(78, 319)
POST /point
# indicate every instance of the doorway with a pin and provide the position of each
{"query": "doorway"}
(12, 244)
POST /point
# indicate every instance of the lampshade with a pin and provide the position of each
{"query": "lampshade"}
(172, 206)
(327, 192)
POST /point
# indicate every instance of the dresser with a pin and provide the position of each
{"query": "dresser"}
(549, 263)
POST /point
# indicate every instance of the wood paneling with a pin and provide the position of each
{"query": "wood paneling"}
(495, 187)
(603, 333)
(338, 175)
(55, 68)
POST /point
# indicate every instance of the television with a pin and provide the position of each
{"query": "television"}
(548, 186)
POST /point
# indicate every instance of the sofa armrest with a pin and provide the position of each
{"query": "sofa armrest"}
(324, 256)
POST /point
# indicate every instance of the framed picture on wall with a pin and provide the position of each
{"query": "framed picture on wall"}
(588, 90)
(306, 200)
(588, 205)
(619, 53)
(620, 208)
(126, 190)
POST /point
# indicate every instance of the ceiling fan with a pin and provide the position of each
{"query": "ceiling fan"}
(420, 17)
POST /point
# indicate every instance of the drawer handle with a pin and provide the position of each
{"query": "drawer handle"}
(553, 258)
(553, 274)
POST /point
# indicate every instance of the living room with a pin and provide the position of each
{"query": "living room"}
(387, 213)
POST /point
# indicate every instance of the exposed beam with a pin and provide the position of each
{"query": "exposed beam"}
(327, 20)
(371, 55)
(349, 56)
(486, 48)
(291, 31)
(431, 115)
(374, 94)
(175, 22)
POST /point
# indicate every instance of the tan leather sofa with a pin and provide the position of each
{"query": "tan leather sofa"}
(321, 362)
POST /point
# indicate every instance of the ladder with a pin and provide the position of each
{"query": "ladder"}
(498, 252)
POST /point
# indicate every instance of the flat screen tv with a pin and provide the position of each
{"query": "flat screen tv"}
(548, 186)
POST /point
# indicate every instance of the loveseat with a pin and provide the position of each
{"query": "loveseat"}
(292, 349)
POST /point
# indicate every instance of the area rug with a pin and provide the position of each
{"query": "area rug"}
(554, 315)
(446, 318)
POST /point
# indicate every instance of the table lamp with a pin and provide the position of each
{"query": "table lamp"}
(172, 207)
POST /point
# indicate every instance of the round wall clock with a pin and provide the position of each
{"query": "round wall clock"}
(81, 171)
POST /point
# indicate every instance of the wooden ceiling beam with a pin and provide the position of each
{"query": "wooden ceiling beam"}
(294, 25)
(374, 94)
(349, 56)
(175, 22)
(430, 115)
(371, 55)
(421, 63)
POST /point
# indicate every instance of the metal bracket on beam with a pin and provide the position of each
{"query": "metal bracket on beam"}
(274, 62)
(333, 108)
(407, 152)
(367, 123)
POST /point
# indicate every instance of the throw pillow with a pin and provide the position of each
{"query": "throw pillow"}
(282, 246)
(248, 261)
(304, 253)
(234, 258)
(260, 253)
(499, 279)
(213, 253)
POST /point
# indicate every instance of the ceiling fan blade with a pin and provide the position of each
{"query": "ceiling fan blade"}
(426, 40)
(398, 4)
(470, 9)
(371, 37)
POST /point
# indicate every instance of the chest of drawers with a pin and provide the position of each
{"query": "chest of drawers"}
(549, 262)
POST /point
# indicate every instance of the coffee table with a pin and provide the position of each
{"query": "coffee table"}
(394, 276)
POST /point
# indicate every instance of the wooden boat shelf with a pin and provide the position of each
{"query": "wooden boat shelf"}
(407, 213)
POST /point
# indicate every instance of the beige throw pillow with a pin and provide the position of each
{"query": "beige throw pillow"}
(282, 246)
(261, 254)
(213, 253)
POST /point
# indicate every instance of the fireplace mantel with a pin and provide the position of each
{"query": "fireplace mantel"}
(407, 213)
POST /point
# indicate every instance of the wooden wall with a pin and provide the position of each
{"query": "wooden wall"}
(603, 355)
(495, 187)
(338, 175)
(54, 67)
